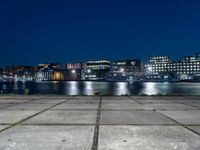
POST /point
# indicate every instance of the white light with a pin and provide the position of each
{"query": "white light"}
(73, 71)
(122, 70)
(88, 71)
(150, 68)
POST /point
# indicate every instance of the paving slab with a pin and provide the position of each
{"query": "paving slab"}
(188, 101)
(14, 100)
(197, 105)
(114, 101)
(83, 101)
(13, 116)
(84, 97)
(124, 106)
(5, 104)
(64, 117)
(147, 138)
(47, 138)
(185, 117)
(30, 106)
(47, 101)
(133, 117)
(149, 101)
(195, 128)
(3, 127)
(77, 106)
(146, 98)
(116, 98)
(171, 107)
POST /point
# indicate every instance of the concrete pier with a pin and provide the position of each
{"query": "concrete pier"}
(99, 123)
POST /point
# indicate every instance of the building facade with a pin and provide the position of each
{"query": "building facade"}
(161, 67)
(125, 70)
(74, 71)
(18, 73)
(49, 71)
(96, 70)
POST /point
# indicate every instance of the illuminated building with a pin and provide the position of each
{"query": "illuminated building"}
(75, 65)
(157, 65)
(96, 70)
(49, 71)
(162, 68)
(18, 73)
(187, 68)
(48, 66)
(74, 71)
(125, 70)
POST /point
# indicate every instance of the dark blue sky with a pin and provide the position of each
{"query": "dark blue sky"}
(37, 31)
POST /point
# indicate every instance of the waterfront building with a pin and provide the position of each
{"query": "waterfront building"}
(18, 73)
(49, 71)
(96, 70)
(51, 75)
(123, 70)
(74, 71)
(48, 66)
(162, 68)
(187, 68)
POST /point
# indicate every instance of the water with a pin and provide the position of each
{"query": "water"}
(107, 88)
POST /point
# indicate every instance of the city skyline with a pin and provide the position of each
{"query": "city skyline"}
(61, 31)
(158, 68)
(63, 65)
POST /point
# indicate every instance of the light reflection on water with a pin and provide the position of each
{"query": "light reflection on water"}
(121, 88)
(72, 88)
(153, 88)
(107, 88)
(88, 88)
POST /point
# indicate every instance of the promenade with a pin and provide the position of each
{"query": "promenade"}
(99, 123)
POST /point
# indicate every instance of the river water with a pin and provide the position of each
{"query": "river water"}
(106, 88)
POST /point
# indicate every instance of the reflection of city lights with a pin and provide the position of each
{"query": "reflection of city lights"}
(121, 88)
(150, 88)
(88, 88)
(73, 88)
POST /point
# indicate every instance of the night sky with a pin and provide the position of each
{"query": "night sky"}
(39, 31)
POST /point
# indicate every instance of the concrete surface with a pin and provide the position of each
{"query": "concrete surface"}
(184, 117)
(77, 106)
(47, 138)
(195, 128)
(30, 106)
(147, 138)
(134, 117)
(104, 123)
(13, 116)
(2, 127)
(64, 117)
